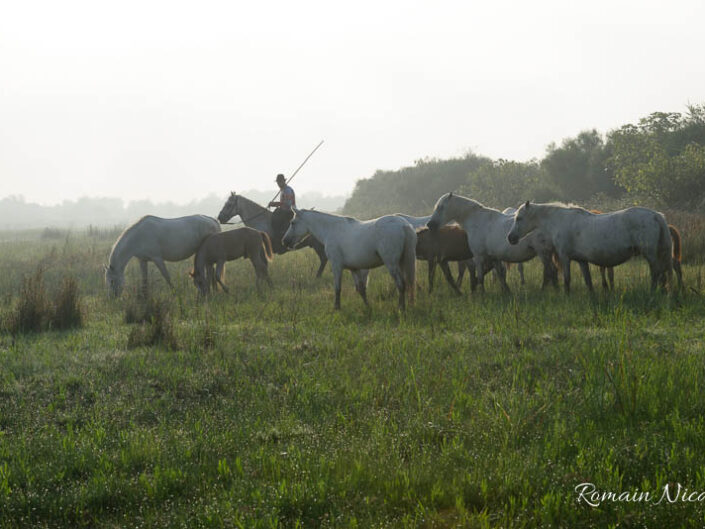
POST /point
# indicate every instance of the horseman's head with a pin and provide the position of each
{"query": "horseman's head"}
(229, 209)
(440, 212)
(521, 225)
(114, 280)
(298, 229)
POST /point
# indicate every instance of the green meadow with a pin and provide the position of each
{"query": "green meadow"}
(272, 410)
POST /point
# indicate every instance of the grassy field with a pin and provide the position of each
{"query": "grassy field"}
(273, 410)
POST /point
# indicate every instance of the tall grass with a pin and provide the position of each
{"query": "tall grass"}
(276, 411)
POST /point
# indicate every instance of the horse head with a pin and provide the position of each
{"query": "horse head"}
(439, 217)
(229, 209)
(114, 280)
(519, 227)
(297, 230)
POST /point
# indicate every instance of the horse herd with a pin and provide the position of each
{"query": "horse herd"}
(479, 238)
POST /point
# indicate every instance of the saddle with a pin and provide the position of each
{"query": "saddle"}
(281, 218)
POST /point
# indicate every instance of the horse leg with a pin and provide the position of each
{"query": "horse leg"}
(565, 263)
(360, 279)
(162, 268)
(520, 267)
(431, 273)
(585, 269)
(500, 271)
(337, 277)
(449, 277)
(210, 280)
(603, 275)
(480, 271)
(321, 251)
(550, 272)
(610, 276)
(219, 269)
(145, 284)
(470, 265)
(462, 266)
(396, 273)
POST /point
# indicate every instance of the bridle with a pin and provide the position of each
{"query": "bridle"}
(236, 210)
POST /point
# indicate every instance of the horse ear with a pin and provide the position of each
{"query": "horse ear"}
(450, 194)
(295, 210)
(527, 204)
(232, 193)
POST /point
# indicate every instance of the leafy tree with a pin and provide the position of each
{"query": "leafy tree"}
(412, 190)
(662, 158)
(503, 183)
(578, 170)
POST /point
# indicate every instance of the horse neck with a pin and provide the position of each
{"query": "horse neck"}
(199, 261)
(121, 253)
(321, 225)
(252, 214)
(550, 218)
(465, 207)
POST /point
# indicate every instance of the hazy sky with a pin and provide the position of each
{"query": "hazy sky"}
(170, 100)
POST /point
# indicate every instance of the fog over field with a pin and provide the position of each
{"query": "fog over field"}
(18, 213)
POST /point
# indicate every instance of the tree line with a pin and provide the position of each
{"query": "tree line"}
(658, 162)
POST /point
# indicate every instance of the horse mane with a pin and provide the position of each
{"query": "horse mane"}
(327, 214)
(564, 205)
(122, 239)
(251, 201)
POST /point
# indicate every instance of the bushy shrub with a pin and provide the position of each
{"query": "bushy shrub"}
(155, 324)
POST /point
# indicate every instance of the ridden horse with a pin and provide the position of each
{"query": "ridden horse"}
(255, 216)
(486, 230)
(228, 246)
(360, 245)
(156, 239)
(608, 239)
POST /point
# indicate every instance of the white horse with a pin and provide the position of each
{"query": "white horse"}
(260, 218)
(360, 245)
(487, 229)
(520, 266)
(156, 239)
(606, 239)
(416, 222)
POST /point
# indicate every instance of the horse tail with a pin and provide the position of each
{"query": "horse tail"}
(665, 249)
(194, 271)
(409, 261)
(267, 246)
(676, 237)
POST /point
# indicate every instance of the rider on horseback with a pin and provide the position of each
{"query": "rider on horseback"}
(281, 217)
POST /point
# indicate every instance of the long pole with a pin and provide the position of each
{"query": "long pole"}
(298, 169)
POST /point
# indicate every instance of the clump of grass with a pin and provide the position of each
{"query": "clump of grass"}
(204, 335)
(33, 311)
(155, 327)
(67, 312)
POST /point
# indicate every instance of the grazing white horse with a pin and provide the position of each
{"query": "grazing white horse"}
(360, 245)
(156, 239)
(260, 218)
(487, 229)
(606, 239)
